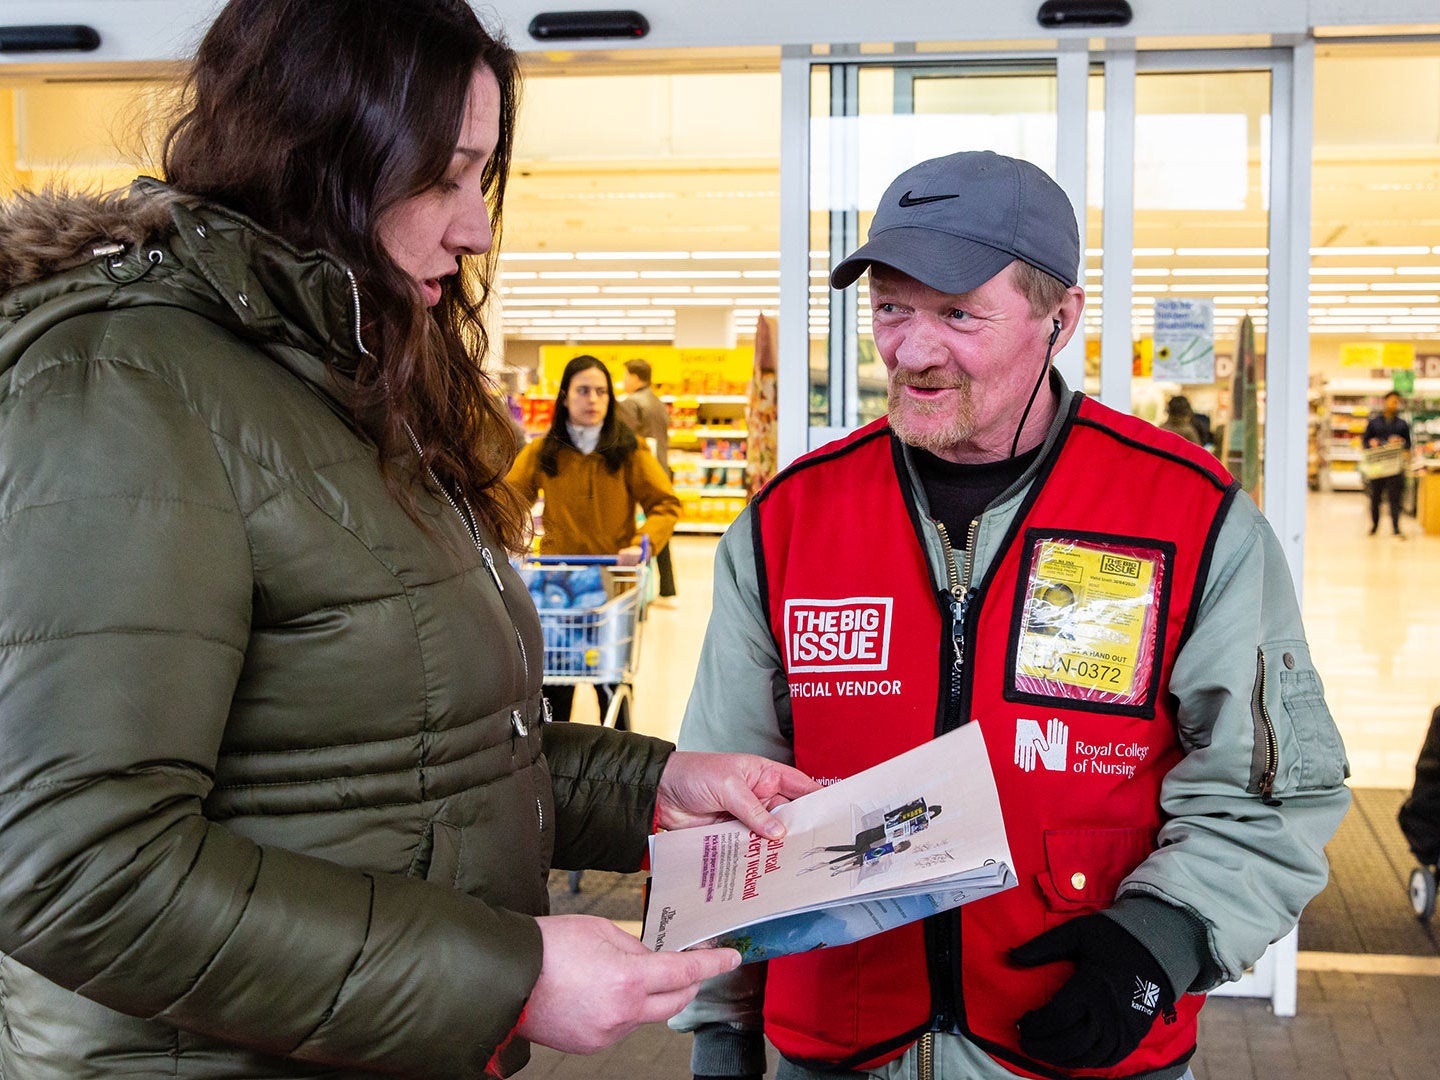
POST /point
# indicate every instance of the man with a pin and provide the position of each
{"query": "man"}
(1167, 767)
(1387, 429)
(645, 414)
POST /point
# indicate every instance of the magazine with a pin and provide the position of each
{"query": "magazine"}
(910, 837)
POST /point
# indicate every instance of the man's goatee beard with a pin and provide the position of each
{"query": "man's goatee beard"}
(912, 423)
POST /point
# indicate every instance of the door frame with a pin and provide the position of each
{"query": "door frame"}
(1287, 338)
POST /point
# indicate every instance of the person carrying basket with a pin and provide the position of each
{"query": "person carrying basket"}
(1385, 445)
(593, 474)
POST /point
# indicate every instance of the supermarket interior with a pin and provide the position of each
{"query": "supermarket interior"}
(1261, 234)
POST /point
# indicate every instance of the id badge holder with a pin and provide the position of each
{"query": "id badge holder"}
(1089, 627)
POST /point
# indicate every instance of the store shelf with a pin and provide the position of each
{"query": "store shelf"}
(705, 399)
(707, 457)
(713, 528)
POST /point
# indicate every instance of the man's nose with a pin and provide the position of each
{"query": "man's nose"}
(920, 347)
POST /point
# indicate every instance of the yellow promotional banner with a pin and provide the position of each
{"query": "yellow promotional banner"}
(1378, 354)
(672, 370)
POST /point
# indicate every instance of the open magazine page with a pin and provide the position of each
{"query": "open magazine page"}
(914, 835)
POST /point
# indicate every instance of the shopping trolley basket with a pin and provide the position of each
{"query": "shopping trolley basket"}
(591, 611)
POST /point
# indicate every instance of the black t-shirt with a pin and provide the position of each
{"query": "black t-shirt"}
(958, 494)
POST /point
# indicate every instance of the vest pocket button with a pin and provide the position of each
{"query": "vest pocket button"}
(1077, 880)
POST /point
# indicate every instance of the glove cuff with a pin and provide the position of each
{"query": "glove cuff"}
(727, 1050)
(1177, 940)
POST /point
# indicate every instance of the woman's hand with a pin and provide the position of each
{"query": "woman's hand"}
(697, 789)
(598, 984)
(629, 556)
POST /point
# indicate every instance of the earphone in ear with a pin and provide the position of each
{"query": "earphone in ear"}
(1054, 333)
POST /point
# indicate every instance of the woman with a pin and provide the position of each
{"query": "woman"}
(594, 473)
(274, 790)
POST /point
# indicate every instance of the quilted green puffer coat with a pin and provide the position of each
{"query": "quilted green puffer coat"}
(276, 797)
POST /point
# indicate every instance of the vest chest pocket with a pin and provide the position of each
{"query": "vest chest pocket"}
(1084, 868)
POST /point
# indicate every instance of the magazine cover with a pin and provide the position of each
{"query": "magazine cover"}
(913, 836)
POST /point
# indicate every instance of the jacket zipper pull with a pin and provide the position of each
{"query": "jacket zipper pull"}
(1267, 789)
(959, 605)
(545, 707)
(490, 565)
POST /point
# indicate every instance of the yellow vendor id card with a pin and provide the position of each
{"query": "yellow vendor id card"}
(1088, 630)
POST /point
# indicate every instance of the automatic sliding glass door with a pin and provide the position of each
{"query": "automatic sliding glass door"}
(865, 123)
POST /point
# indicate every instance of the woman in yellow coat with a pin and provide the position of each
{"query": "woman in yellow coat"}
(593, 473)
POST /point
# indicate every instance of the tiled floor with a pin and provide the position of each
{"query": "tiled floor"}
(1369, 979)
(1372, 613)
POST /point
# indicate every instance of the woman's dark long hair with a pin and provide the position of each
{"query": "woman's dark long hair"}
(315, 118)
(617, 442)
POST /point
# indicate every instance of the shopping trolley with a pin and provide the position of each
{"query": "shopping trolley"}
(591, 611)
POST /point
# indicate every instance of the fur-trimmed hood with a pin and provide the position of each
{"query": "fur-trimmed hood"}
(45, 232)
(63, 254)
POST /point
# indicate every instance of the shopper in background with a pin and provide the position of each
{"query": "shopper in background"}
(646, 415)
(593, 474)
(1167, 804)
(275, 797)
(1387, 428)
(1180, 419)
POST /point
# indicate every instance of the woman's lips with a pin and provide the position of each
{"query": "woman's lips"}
(430, 290)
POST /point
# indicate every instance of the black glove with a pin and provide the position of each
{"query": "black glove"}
(1103, 1011)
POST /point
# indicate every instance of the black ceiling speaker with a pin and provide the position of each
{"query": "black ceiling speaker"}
(575, 25)
(55, 38)
(1062, 13)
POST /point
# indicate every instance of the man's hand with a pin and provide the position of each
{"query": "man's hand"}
(598, 984)
(1103, 1011)
(697, 789)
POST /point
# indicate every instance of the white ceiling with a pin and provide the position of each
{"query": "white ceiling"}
(656, 187)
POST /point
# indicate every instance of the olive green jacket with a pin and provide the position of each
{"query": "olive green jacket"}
(276, 797)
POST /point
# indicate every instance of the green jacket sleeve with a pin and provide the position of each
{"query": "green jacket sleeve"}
(605, 788)
(125, 604)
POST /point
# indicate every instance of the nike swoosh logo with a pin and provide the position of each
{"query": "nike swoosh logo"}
(908, 200)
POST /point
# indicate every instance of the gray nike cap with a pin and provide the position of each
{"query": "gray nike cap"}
(954, 222)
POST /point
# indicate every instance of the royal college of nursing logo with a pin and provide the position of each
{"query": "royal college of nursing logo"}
(852, 634)
(1048, 748)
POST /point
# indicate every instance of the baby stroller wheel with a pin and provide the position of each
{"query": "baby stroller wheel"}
(1422, 891)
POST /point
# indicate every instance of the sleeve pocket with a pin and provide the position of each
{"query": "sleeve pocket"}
(1296, 700)
(1322, 757)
